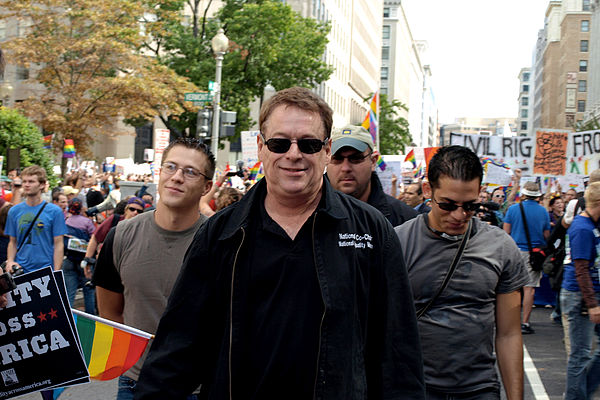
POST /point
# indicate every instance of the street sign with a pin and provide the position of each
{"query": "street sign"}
(211, 86)
(199, 97)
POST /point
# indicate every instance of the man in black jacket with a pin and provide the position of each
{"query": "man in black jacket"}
(296, 291)
(352, 171)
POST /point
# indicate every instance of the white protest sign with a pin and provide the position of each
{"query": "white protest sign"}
(572, 181)
(249, 147)
(516, 152)
(497, 175)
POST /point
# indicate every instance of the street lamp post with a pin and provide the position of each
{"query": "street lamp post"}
(220, 44)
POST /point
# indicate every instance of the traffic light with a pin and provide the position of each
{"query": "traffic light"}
(203, 123)
(228, 118)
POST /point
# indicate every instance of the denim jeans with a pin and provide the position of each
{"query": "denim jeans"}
(74, 279)
(583, 368)
(126, 389)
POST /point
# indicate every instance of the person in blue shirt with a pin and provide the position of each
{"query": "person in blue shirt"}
(538, 223)
(580, 298)
(44, 244)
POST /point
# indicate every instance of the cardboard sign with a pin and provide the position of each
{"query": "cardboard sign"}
(497, 175)
(550, 152)
(36, 336)
(249, 147)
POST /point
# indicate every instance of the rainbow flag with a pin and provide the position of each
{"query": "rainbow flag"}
(370, 122)
(411, 157)
(47, 141)
(109, 348)
(69, 149)
(256, 172)
(429, 153)
(419, 173)
(380, 163)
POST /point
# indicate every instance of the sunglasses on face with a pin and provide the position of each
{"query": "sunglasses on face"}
(355, 158)
(282, 145)
(137, 210)
(468, 207)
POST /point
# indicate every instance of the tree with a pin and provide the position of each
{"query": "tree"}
(394, 132)
(89, 67)
(16, 131)
(270, 44)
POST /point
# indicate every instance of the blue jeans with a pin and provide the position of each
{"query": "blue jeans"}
(74, 279)
(127, 389)
(583, 368)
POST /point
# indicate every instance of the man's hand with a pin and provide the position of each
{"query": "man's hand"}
(11, 266)
(517, 175)
(595, 314)
(3, 300)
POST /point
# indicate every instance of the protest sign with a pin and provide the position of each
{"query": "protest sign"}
(36, 335)
(393, 167)
(249, 147)
(497, 175)
(550, 152)
(572, 181)
(583, 152)
(515, 152)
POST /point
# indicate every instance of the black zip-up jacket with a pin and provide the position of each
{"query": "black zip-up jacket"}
(396, 211)
(369, 345)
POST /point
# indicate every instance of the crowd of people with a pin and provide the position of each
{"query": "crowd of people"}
(314, 282)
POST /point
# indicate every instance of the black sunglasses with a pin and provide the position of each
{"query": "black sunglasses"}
(282, 145)
(467, 207)
(355, 158)
(137, 210)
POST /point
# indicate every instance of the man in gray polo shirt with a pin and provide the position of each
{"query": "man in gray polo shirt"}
(457, 330)
(141, 257)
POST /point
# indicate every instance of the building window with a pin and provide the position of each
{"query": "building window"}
(585, 25)
(384, 72)
(385, 53)
(580, 105)
(22, 73)
(582, 86)
(524, 113)
(525, 101)
(526, 76)
(582, 65)
(383, 90)
(386, 12)
(526, 88)
(585, 5)
(386, 32)
(523, 125)
(583, 46)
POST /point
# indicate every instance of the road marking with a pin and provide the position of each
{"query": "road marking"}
(539, 391)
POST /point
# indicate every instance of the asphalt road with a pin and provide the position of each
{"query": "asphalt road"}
(544, 376)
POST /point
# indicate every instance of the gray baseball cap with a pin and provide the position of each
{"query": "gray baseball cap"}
(354, 136)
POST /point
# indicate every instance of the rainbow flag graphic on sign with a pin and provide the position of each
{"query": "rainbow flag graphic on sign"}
(109, 348)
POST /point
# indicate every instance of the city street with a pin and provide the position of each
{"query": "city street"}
(545, 366)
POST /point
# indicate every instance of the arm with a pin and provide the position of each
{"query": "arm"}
(582, 273)
(506, 227)
(512, 190)
(110, 304)
(11, 253)
(59, 251)
(205, 200)
(546, 234)
(394, 186)
(509, 343)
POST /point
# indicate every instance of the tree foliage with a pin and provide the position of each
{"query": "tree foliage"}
(16, 131)
(270, 44)
(88, 63)
(394, 132)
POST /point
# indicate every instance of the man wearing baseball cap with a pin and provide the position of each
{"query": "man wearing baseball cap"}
(352, 171)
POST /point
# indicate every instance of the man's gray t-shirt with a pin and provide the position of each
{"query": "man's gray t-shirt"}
(148, 259)
(457, 333)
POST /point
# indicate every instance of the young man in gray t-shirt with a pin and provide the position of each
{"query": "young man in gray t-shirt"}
(457, 331)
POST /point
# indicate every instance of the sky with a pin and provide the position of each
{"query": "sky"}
(476, 50)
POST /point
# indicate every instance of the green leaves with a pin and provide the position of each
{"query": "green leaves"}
(394, 132)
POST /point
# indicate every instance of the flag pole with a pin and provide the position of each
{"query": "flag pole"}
(114, 324)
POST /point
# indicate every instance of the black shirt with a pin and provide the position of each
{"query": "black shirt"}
(283, 314)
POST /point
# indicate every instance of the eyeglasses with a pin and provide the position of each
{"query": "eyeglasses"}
(282, 145)
(468, 207)
(500, 196)
(355, 158)
(170, 168)
(137, 210)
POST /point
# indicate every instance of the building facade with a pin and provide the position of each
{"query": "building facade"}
(593, 96)
(525, 101)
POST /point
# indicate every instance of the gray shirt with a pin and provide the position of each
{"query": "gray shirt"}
(457, 333)
(148, 259)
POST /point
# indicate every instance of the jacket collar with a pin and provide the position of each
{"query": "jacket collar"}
(377, 197)
(330, 205)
